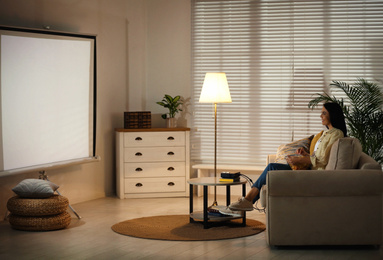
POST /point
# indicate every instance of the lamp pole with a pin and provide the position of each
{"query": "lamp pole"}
(215, 203)
(215, 90)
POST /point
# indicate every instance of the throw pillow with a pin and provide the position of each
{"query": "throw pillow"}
(290, 149)
(345, 154)
(35, 188)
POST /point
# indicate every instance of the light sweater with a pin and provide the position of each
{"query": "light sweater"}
(319, 157)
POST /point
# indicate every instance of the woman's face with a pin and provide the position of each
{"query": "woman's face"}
(325, 116)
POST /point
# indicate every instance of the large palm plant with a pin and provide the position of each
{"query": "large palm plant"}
(364, 113)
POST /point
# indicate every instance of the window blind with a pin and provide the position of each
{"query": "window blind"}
(277, 55)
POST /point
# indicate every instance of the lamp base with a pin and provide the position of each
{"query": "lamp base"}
(215, 203)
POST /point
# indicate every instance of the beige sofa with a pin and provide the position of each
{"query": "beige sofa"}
(341, 205)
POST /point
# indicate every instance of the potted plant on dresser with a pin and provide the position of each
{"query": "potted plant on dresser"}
(172, 103)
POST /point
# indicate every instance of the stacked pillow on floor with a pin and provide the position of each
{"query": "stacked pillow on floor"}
(37, 208)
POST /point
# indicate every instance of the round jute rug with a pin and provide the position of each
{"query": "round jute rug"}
(177, 227)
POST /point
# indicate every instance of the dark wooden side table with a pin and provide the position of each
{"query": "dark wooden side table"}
(213, 181)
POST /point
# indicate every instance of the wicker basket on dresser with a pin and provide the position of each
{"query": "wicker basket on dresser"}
(153, 162)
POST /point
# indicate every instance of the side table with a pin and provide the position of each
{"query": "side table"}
(213, 181)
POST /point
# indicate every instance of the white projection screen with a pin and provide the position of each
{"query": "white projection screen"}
(48, 99)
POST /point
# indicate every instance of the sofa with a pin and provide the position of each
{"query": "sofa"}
(341, 205)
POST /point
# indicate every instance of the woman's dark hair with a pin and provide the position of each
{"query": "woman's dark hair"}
(336, 116)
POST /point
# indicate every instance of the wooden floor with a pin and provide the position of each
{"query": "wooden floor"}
(92, 238)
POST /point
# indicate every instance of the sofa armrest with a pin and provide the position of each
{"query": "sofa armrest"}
(324, 183)
(367, 162)
(270, 158)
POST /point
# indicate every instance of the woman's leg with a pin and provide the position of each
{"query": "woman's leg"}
(253, 195)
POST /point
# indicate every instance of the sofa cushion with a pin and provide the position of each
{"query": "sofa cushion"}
(290, 149)
(345, 154)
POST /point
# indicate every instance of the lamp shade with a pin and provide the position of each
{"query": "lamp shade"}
(215, 88)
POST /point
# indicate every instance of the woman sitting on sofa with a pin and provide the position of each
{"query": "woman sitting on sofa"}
(333, 118)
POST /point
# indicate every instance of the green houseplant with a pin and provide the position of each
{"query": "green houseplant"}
(363, 112)
(171, 103)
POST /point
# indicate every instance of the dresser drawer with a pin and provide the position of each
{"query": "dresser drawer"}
(161, 169)
(143, 139)
(154, 154)
(151, 185)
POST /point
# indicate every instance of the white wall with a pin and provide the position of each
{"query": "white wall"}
(143, 52)
(168, 53)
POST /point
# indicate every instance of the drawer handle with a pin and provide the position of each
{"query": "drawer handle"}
(139, 185)
(170, 153)
(171, 183)
(138, 139)
(171, 169)
(138, 169)
(170, 138)
(138, 154)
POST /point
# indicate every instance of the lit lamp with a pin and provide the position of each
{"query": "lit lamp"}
(215, 90)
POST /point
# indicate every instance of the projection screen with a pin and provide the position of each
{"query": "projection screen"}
(48, 99)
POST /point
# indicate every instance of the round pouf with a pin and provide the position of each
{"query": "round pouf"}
(39, 214)
(41, 223)
(53, 205)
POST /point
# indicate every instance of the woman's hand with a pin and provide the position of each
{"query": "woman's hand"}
(293, 159)
(302, 151)
(298, 159)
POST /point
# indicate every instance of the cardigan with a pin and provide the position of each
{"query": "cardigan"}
(319, 158)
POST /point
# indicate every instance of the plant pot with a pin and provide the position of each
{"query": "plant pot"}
(171, 122)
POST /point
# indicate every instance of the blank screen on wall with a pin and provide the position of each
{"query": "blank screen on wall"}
(47, 98)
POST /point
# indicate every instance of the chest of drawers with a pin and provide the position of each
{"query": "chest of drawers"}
(153, 162)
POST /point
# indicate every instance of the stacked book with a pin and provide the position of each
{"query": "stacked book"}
(230, 177)
(138, 119)
(221, 211)
(214, 211)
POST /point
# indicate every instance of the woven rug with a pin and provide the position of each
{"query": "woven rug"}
(177, 227)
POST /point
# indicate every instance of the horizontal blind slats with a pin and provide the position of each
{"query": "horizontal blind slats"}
(277, 55)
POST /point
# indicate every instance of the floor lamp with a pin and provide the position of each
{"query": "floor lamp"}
(215, 90)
